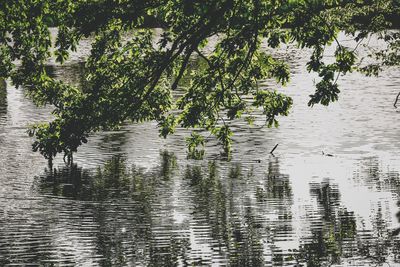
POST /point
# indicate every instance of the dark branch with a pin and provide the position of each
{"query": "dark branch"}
(397, 99)
(183, 68)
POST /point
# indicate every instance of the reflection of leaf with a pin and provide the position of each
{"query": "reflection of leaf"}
(3, 92)
(168, 164)
(112, 180)
(396, 232)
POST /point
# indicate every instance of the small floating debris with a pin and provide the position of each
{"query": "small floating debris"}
(328, 155)
(272, 151)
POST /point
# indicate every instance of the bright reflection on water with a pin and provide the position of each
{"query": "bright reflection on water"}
(132, 199)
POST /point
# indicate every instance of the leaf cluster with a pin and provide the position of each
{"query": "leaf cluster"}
(131, 73)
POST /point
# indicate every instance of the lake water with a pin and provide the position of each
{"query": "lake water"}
(133, 199)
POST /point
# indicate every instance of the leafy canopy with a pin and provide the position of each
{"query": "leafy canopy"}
(130, 74)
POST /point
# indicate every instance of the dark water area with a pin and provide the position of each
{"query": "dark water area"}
(3, 101)
(133, 199)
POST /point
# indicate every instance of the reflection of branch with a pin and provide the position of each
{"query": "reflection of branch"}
(397, 99)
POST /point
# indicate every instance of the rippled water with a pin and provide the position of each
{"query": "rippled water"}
(133, 199)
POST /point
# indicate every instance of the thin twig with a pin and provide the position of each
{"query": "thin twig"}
(272, 151)
(397, 99)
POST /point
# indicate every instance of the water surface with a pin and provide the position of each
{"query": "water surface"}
(133, 199)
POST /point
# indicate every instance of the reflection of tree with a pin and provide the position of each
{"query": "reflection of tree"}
(238, 224)
(133, 213)
(3, 99)
(277, 185)
(239, 234)
(376, 244)
(246, 245)
(245, 236)
(113, 180)
(211, 200)
(275, 199)
(330, 242)
(125, 228)
(375, 176)
(3, 91)
(168, 165)
(10, 247)
(337, 238)
(331, 238)
(327, 197)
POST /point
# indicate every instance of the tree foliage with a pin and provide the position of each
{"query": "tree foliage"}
(131, 74)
